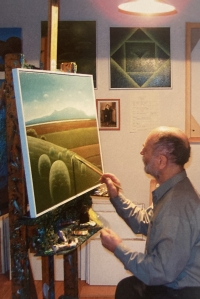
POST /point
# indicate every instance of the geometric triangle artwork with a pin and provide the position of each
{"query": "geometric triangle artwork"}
(140, 57)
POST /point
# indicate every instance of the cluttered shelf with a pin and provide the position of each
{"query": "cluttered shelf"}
(62, 230)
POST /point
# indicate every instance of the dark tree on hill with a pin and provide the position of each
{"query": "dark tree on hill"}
(32, 133)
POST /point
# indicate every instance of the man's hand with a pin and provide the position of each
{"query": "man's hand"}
(109, 239)
(112, 183)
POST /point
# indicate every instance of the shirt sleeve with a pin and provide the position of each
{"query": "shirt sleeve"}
(135, 217)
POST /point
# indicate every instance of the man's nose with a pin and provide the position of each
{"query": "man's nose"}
(142, 152)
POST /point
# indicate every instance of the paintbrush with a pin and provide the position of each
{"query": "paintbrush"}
(97, 170)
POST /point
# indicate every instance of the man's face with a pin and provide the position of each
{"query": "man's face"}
(149, 158)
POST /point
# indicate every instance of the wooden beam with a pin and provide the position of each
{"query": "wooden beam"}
(16, 186)
(53, 15)
(48, 277)
(192, 126)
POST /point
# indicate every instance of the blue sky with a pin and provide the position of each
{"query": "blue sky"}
(44, 92)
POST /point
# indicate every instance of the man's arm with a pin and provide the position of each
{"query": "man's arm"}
(135, 217)
(109, 239)
(113, 184)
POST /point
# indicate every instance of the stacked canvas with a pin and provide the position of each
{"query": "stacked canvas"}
(97, 266)
(4, 244)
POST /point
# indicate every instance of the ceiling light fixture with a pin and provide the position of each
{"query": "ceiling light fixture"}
(147, 7)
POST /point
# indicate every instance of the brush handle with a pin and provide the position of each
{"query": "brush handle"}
(96, 170)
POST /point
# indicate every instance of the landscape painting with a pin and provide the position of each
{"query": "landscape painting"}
(59, 136)
(10, 42)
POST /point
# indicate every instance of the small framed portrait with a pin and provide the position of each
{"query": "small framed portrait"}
(108, 114)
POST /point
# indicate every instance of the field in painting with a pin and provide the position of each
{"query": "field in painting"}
(55, 151)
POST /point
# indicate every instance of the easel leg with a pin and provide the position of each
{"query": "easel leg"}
(71, 275)
(48, 288)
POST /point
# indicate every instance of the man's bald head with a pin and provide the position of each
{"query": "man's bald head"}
(172, 143)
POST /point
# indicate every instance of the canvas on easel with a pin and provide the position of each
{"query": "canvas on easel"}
(59, 136)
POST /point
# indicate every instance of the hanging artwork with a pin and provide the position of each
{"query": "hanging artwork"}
(10, 42)
(59, 136)
(140, 57)
(108, 111)
(76, 43)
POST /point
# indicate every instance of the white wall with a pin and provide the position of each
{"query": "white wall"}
(120, 149)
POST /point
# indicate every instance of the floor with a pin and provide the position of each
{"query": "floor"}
(85, 291)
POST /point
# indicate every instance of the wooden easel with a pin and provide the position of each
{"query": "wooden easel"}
(22, 282)
(16, 184)
(53, 14)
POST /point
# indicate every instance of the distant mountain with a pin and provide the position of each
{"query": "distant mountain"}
(69, 113)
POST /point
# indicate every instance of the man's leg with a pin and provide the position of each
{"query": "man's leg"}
(163, 292)
(190, 293)
(130, 288)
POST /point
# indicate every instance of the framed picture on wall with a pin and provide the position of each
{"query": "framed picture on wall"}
(76, 43)
(140, 58)
(11, 42)
(108, 114)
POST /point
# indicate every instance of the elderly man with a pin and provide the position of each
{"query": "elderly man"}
(170, 266)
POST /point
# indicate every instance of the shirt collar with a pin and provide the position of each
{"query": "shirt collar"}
(166, 186)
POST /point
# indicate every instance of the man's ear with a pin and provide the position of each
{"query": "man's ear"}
(162, 161)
